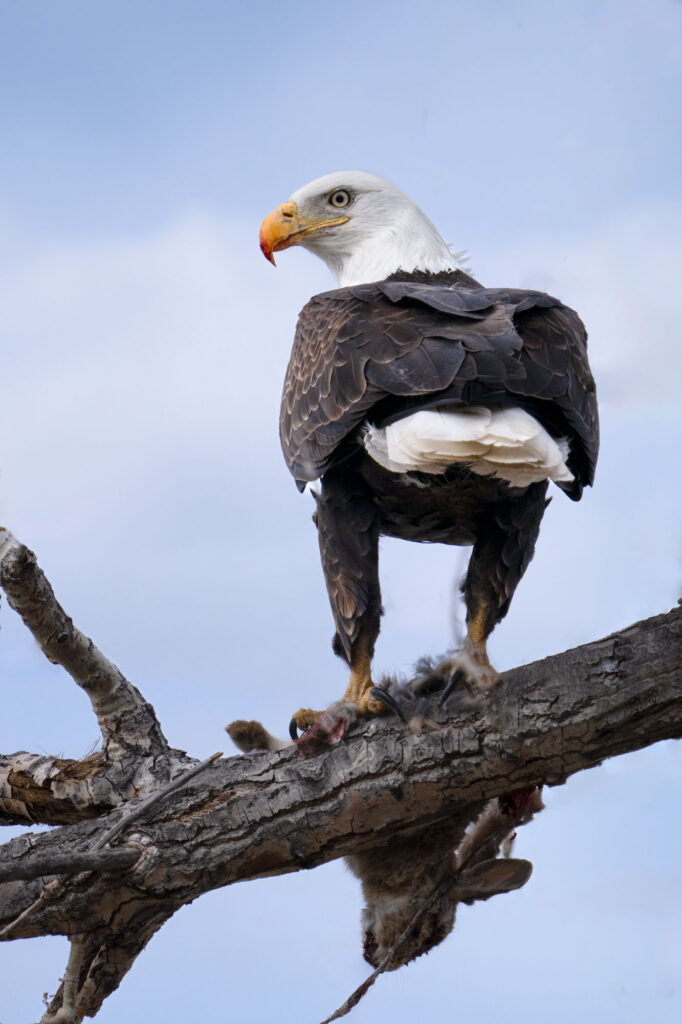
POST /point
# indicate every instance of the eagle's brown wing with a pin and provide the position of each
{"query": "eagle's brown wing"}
(379, 351)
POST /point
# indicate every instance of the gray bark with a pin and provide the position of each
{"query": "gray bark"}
(263, 814)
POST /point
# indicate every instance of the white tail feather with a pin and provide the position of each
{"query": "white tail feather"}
(501, 441)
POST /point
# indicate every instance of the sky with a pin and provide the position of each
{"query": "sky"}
(144, 341)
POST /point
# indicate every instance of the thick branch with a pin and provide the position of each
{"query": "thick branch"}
(128, 723)
(35, 788)
(266, 814)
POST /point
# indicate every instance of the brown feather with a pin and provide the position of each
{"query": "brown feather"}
(381, 351)
(378, 352)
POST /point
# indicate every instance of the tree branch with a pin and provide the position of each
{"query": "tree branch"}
(128, 722)
(35, 788)
(69, 864)
(264, 814)
(269, 813)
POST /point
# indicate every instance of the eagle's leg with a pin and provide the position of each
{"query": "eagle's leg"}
(472, 662)
(501, 555)
(360, 683)
(348, 533)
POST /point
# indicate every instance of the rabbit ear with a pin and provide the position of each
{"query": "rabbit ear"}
(491, 877)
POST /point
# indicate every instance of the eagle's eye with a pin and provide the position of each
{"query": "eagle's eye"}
(339, 198)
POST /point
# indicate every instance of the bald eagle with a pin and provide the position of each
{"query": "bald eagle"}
(429, 408)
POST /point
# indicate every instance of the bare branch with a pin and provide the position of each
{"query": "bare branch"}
(52, 891)
(355, 996)
(263, 814)
(128, 722)
(269, 813)
(102, 962)
(66, 1014)
(69, 864)
(35, 788)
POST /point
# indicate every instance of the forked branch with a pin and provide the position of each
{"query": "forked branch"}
(269, 813)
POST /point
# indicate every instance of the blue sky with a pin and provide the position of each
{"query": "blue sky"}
(137, 110)
(144, 341)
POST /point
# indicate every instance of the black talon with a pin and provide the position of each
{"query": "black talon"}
(455, 678)
(389, 701)
(293, 729)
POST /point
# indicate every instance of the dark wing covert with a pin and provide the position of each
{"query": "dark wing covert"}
(379, 351)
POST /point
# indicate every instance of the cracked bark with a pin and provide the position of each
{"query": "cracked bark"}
(263, 814)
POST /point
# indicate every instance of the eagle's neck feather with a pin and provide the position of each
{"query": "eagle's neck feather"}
(407, 241)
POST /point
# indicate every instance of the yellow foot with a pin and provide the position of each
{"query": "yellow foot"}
(369, 705)
(302, 720)
(322, 728)
(359, 704)
(475, 672)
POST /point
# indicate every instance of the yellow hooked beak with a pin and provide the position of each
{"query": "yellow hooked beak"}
(283, 228)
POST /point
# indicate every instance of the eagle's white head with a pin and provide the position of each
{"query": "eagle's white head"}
(363, 228)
